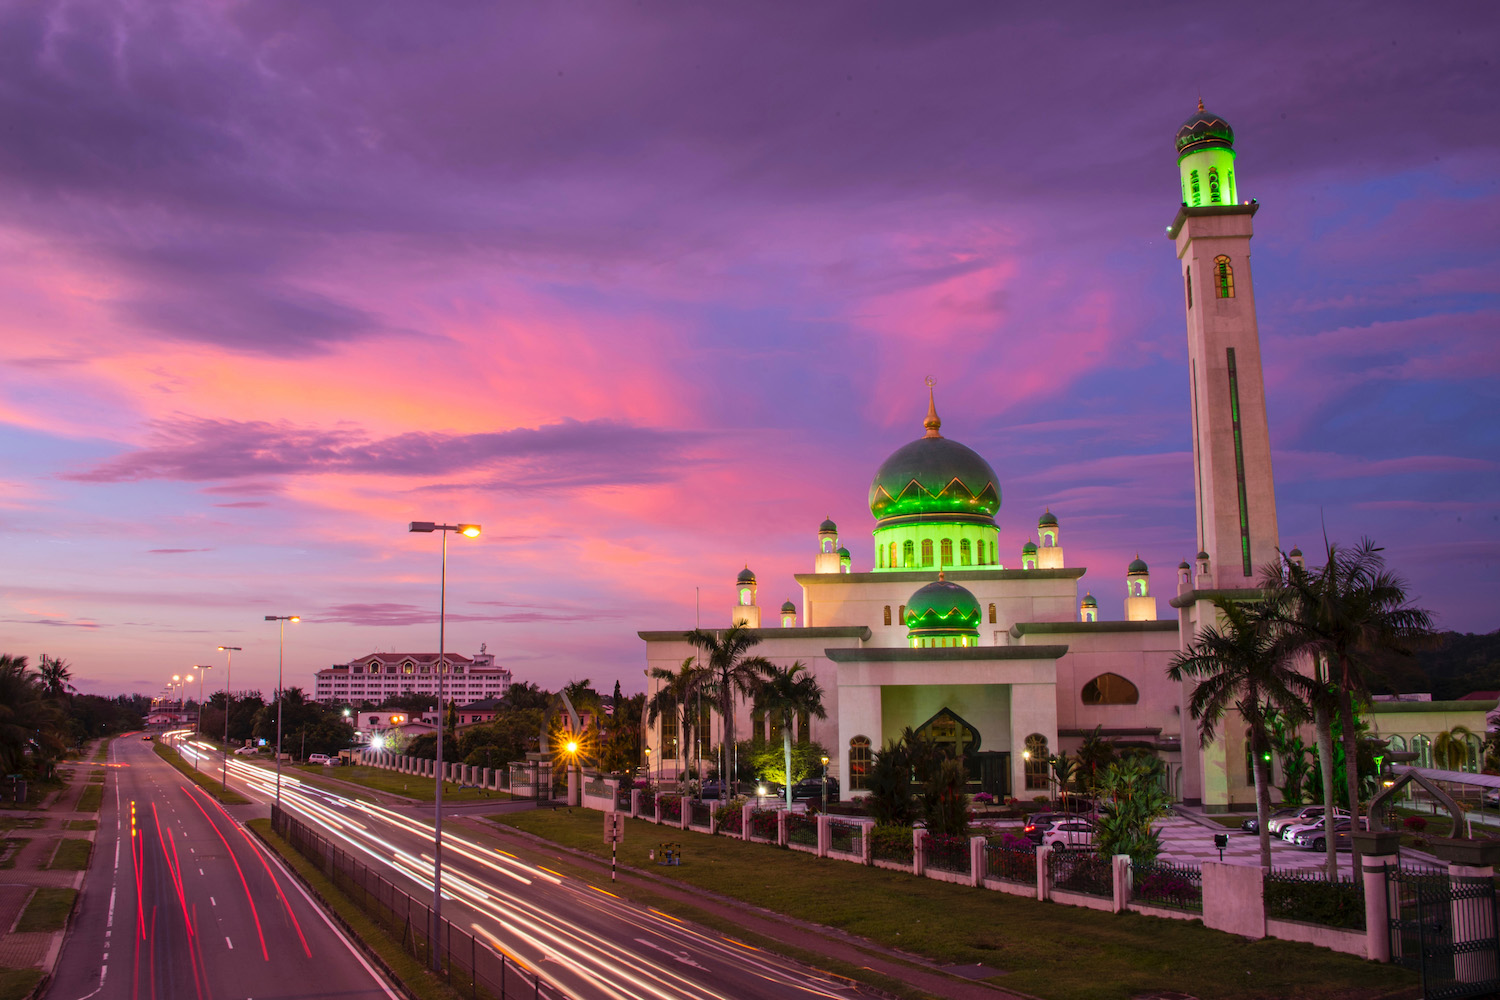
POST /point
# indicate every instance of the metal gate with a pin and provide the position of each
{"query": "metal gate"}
(1445, 929)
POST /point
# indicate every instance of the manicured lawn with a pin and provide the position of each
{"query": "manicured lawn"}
(412, 973)
(9, 848)
(14, 822)
(18, 983)
(91, 798)
(81, 824)
(1048, 949)
(394, 783)
(202, 779)
(48, 910)
(72, 854)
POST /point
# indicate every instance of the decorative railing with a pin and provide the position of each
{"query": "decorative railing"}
(763, 823)
(1307, 895)
(891, 843)
(1011, 863)
(648, 802)
(802, 829)
(946, 854)
(1161, 883)
(731, 818)
(846, 838)
(671, 808)
(1081, 871)
(701, 815)
(622, 799)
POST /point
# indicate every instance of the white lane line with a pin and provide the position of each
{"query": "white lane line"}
(212, 901)
(200, 871)
(230, 943)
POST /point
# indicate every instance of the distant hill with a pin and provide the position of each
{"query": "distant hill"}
(1459, 662)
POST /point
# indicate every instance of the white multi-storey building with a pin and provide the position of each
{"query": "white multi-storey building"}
(379, 676)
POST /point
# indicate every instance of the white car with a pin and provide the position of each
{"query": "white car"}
(1066, 834)
(1289, 833)
(1303, 815)
(243, 751)
(319, 758)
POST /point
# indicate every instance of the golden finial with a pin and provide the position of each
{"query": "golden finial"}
(1200, 104)
(941, 576)
(932, 423)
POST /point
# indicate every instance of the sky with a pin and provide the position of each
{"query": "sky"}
(648, 290)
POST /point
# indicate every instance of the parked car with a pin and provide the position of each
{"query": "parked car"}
(319, 758)
(1315, 839)
(1069, 833)
(246, 751)
(1037, 823)
(711, 790)
(1252, 825)
(812, 788)
(1302, 815)
(1289, 832)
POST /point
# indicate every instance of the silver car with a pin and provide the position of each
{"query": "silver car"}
(1289, 833)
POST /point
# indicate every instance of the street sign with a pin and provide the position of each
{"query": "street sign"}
(614, 828)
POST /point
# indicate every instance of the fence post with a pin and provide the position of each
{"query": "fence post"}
(657, 804)
(1377, 870)
(781, 830)
(824, 835)
(684, 811)
(713, 819)
(1120, 869)
(635, 802)
(918, 861)
(745, 819)
(978, 860)
(1473, 922)
(1043, 870)
(865, 855)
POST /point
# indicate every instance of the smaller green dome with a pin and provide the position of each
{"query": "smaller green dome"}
(1296, 553)
(1202, 554)
(1183, 565)
(1047, 520)
(828, 525)
(1029, 548)
(746, 576)
(789, 608)
(1089, 602)
(942, 608)
(843, 554)
(1137, 565)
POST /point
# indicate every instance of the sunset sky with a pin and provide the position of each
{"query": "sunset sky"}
(650, 289)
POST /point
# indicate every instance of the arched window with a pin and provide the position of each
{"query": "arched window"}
(1049, 539)
(1193, 181)
(1036, 761)
(908, 553)
(1398, 744)
(1213, 186)
(965, 553)
(859, 763)
(880, 555)
(828, 545)
(887, 614)
(1223, 277)
(901, 613)
(945, 552)
(1110, 689)
(992, 614)
(893, 555)
(926, 552)
(1190, 289)
(406, 668)
(745, 598)
(1423, 748)
(1471, 754)
(669, 732)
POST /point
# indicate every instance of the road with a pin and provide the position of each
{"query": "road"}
(181, 902)
(584, 942)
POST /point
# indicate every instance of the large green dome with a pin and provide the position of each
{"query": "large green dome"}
(1203, 130)
(935, 476)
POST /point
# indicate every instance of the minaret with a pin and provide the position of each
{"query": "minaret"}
(1236, 498)
(746, 611)
(1140, 606)
(828, 548)
(1049, 554)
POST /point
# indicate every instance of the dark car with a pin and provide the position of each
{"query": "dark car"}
(1037, 823)
(711, 790)
(812, 788)
(1252, 825)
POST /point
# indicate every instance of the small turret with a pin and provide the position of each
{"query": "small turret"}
(828, 548)
(1028, 555)
(789, 615)
(1088, 609)
(746, 610)
(1140, 606)
(1295, 557)
(1049, 554)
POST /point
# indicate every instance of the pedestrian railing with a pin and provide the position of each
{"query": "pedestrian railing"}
(802, 829)
(1161, 883)
(472, 967)
(702, 814)
(946, 854)
(846, 838)
(1011, 864)
(763, 824)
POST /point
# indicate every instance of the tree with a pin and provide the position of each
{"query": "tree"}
(56, 676)
(1132, 800)
(1238, 664)
(1094, 755)
(890, 798)
(733, 672)
(1450, 749)
(1349, 616)
(524, 694)
(675, 695)
(785, 693)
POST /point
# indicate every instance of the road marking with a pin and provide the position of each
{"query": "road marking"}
(230, 943)
(680, 956)
(200, 871)
(211, 900)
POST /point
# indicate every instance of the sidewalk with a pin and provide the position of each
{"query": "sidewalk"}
(798, 935)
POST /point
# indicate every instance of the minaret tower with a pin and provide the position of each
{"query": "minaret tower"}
(746, 610)
(1236, 497)
(828, 548)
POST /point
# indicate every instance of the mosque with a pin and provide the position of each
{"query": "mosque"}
(1009, 666)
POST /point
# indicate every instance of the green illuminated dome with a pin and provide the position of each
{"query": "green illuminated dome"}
(828, 525)
(1183, 565)
(1296, 553)
(843, 553)
(746, 576)
(1137, 565)
(1047, 520)
(1203, 130)
(942, 614)
(1029, 548)
(789, 608)
(933, 478)
(1089, 602)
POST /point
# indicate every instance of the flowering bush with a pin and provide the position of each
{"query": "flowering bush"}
(763, 823)
(671, 807)
(1013, 841)
(1416, 824)
(891, 843)
(983, 799)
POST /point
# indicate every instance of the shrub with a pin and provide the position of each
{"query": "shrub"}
(1416, 824)
(671, 808)
(763, 823)
(891, 843)
(983, 799)
(729, 817)
(1013, 841)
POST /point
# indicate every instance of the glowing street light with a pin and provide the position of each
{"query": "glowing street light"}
(229, 651)
(468, 531)
(280, 621)
(202, 668)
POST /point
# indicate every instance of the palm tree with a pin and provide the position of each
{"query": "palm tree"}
(733, 674)
(785, 693)
(1239, 665)
(1451, 749)
(56, 676)
(675, 696)
(28, 718)
(1347, 615)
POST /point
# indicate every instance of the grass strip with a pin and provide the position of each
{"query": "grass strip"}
(48, 910)
(81, 824)
(72, 855)
(91, 799)
(9, 848)
(8, 823)
(1050, 950)
(378, 779)
(413, 974)
(17, 984)
(202, 779)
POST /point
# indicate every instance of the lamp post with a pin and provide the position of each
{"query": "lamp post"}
(468, 531)
(202, 668)
(229, 652)
(825, 784)
(280, 621)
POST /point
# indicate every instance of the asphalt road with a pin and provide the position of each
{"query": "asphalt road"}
(180, 902)
(584, 942)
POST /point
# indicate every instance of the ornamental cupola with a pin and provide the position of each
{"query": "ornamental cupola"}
(788, 615)
(942, 614)
(746, 610)
(1140, 606)
(1205, 160)
(828, 548)
(1088, 609)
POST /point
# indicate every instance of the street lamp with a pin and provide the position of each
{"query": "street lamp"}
(229, 652)
(281, 621)
(198, 726)
(468, 531)
(825, 784)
